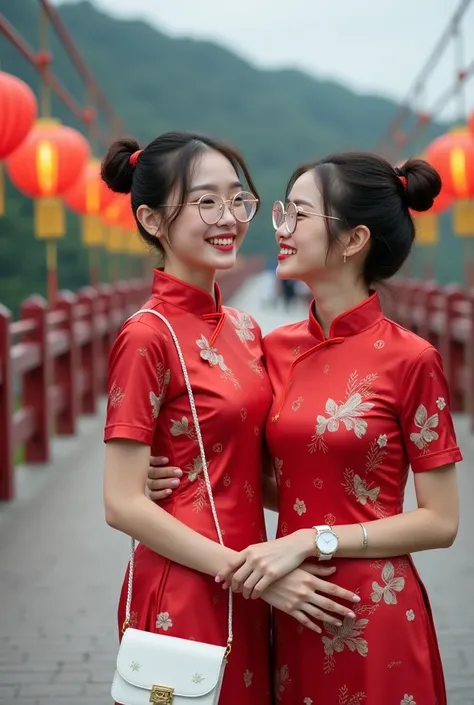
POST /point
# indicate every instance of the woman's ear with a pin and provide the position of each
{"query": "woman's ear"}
(358, 241)
(150, 220)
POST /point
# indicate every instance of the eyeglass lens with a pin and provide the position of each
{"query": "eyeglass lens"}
(243, 206)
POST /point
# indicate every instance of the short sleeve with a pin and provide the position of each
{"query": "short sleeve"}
(426, 421)
(137, 383)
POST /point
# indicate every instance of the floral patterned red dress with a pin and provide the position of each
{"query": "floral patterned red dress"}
(350, 415)
(148, 403)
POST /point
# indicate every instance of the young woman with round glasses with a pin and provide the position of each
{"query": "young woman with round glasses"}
(357, 400)
(191, 206)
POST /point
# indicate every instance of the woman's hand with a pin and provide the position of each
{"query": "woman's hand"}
(258, 566)
(297, 594)
(162, 479)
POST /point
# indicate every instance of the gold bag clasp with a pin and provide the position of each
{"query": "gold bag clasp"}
(161, 695)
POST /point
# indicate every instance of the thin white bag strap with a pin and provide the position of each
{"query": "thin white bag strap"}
(205, 473)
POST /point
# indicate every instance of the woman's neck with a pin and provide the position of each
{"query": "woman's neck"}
(334, 298)
(203, 279)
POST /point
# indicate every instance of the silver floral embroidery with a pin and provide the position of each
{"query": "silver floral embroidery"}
(410, 615)
(350, 635)
(346, 699)
(183, 428)
(116, 396)
(198, 678)
(299, 507)
(441, 403)
(164, 621)
(195, 468)
(156, 400)
(200, 498)
(363, 491)
(244, 325)
(297, 404)
(426, 426)
(248, 676)
(249, 491)
(282, 680)
(256, 367)
(392, 585)
(278, 466)
(210, 354)
(134, 666)
(348, 413)
(408, 700)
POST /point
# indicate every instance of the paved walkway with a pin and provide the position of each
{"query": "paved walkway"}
(61, 567)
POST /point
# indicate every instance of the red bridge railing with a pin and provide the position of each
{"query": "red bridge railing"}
(445, 317)
(53, 363)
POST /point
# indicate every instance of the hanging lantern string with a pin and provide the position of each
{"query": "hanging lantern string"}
(404, 112)
(37, 61)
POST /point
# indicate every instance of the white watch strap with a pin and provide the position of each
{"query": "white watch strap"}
(319, 530)
(204, 470)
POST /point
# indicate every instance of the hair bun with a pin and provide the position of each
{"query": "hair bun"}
(116, 170)
(423, 184)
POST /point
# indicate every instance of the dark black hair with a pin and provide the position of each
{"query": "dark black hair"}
(164, 164)
(364, 189)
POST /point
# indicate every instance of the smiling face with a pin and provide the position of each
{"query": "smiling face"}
(195, 249)
(305, 254)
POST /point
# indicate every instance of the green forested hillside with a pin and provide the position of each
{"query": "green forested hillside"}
(158, 83)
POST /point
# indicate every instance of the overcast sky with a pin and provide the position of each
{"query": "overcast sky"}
(370, 45)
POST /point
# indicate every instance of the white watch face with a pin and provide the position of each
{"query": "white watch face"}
(327, 542)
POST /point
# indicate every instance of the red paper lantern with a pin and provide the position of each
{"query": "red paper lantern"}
(45, 166)
(452, 155)
(90, 196)
(49, 161)
(18, 110)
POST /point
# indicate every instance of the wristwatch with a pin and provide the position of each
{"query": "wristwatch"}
(326, 542)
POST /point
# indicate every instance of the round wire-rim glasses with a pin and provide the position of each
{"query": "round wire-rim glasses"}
(289, 216)
(211, 207)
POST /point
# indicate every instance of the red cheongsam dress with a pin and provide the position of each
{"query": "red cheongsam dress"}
(351, 414)
(148, 403)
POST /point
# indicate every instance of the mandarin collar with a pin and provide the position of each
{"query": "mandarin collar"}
(186, 296)
(355, 320)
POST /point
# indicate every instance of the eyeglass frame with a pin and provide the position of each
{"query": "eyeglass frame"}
(298, 209)
(223, 200)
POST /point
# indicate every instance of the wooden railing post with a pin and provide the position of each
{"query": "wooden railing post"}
(7, 460)
(37, 381)
(66, 367)
(470, 359)
(451, 351)
(90, 352)
(108, 335)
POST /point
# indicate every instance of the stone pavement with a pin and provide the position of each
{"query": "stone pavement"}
(61, 568)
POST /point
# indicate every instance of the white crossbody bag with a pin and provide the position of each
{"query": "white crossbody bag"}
(166, 670)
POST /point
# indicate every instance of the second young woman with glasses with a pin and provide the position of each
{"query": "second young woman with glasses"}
(192, 208)
(357, 400)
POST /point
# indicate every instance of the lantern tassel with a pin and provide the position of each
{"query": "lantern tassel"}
(463, 218)
(426, 229)
(92, 231)
(49, 218)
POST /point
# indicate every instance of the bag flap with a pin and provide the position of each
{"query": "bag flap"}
(190, 667)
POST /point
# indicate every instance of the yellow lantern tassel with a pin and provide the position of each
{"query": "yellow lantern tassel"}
(92, 230)
(115, 239)
(49, 218)
(2, 191)
(426, 229)
(463, 218)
